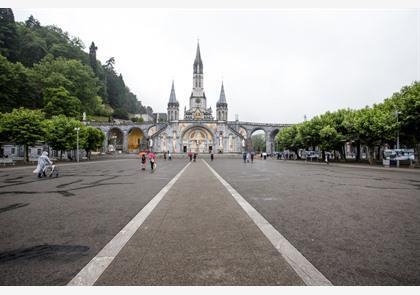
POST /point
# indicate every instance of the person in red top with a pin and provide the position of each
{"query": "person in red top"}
(190, 155)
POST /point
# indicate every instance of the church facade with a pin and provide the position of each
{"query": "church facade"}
(200, 130)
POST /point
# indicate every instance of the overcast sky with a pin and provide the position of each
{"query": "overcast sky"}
(277, 65)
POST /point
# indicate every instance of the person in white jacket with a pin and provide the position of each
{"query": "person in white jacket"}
(43, 162)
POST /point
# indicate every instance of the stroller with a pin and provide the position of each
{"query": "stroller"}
(50, 171)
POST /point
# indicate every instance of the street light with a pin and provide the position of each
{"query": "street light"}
(398, 137)
(77, 140)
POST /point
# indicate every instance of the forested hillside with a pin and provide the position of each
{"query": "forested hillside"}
(42, 67)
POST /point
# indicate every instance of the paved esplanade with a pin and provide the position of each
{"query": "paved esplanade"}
(354, 225)
(199, 235)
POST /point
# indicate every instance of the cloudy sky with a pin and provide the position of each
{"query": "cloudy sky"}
(277, 65)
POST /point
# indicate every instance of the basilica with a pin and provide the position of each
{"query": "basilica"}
(200, 130)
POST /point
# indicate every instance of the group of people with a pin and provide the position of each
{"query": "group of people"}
(248, 157)
(152, 160)
(169, 155)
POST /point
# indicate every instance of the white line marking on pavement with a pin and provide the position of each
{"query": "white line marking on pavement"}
(94, 269)
(307, 272)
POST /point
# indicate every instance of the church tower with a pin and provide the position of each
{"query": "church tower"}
(222, 107)
(198, 97)
(173, 106)
(198, 102)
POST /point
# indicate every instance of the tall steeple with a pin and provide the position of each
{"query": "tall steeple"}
(221, 106)
(198, 64)
(172, 96)
(198, 97)
(173, 105)
(222, 98)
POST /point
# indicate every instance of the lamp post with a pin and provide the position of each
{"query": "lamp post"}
(398, 137)
(77, 142)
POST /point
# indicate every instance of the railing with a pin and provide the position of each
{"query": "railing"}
(259, 124)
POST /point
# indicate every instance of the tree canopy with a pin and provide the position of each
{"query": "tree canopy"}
(370, 126)
(23, 126)
(34, 57)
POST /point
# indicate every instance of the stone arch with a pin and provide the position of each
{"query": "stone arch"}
(136, 140)
(115, 139)
(198, 139)
(256, 146)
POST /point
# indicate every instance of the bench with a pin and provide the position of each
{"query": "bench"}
(5, 161)
(33, 160)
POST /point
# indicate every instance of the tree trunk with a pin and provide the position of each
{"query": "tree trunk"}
(61, 155)
(342, 152)
(25, 156)
(379, 153)
(357, 150)
(371, 152)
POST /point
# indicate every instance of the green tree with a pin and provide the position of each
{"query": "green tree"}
(18, 87)
(406, 103)
(120, 114)
(93, 139)
(24, 127)
(310, 132)
(58, 101)
(330, 138)
(76, 78)
(258, 142)
(374, 126)
(61, 133)
(290, 138)
(8, 34)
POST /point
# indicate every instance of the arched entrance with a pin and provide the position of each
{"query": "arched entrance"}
(198, 140)
(115, 139)
(136, 140)
(259, 139)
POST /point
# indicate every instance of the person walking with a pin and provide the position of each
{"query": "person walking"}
(190, 155)
(43, 162)
(143, 161)
(244, 157)
(252, 157)
(152, 159)
(169, 156)
(164, 155)
(195, 156)
(211, 156)
(326, 158)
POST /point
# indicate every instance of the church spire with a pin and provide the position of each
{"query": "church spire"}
(222, 98)
(198, 64)
(222, 106)
(172, 97)
(173, 105)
